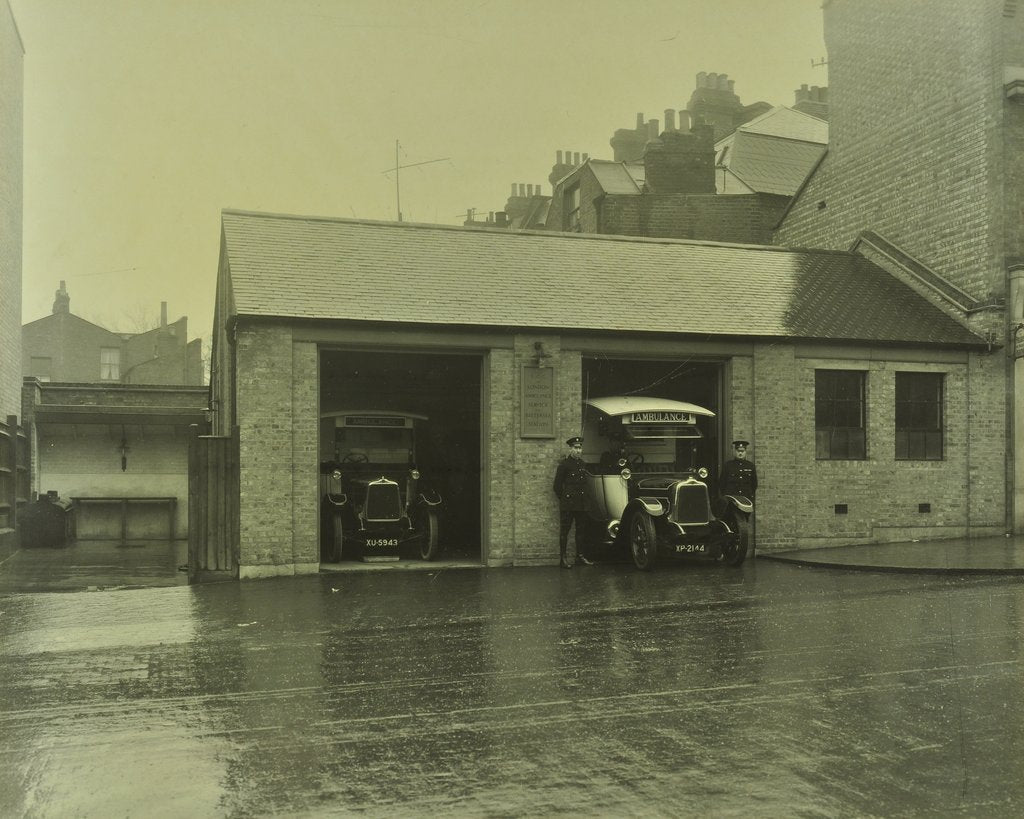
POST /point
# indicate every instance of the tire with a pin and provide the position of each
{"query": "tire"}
(429, 548)
(736, 552)
(643, 542)
(337, 532)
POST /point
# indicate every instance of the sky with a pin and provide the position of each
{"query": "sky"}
(144, 119)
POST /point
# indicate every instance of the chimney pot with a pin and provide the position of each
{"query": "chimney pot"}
(522, 189)
(513, 189)
(702, 79)
(576, 159)
(652, 129)
(670, 119)
(163, 314)
(639, 121)
(502, 218)
(730, 86)
(558, 157)
(62, 301)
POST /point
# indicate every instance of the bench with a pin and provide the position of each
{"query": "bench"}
(124, 502)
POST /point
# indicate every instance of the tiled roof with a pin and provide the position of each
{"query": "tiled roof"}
(773, 153)
(771, 165)
(788, 123)
(319, 268)
(618, 177)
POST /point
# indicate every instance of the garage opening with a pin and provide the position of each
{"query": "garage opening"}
(399, 456)
(686, 380)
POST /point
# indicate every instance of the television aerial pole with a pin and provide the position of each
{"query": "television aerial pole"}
(397, 168)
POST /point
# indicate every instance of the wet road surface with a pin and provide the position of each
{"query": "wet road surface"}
(771, 690)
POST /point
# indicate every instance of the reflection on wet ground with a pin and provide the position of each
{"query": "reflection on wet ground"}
(769, 690)
(95, 565)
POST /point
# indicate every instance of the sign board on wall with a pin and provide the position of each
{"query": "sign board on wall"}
(537, 402)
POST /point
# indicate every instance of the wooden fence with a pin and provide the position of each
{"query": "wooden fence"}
(15, 480)
(213, 490)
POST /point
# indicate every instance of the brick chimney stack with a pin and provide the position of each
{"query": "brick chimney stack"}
(680, 162)
(813, 100)
(565, 161)
(62, 301)
(715, 102)
(628, 144)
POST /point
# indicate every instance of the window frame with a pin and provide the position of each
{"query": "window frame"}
(573, 199)
(919, 424)
(840, 441)
(110, 370)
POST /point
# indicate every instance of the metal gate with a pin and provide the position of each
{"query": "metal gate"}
(212, 507)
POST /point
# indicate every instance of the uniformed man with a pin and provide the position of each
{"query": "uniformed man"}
(570, 487)
(739, 476)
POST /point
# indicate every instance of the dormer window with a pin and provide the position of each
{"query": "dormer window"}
(572, 209)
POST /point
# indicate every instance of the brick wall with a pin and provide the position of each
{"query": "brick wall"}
(11, 155)
(798, 494)
(741, 218)
(769, 397)
(501, 487)
(85, 460)
(305, 429)
(266, 457)
(915, 147)
(159, 356)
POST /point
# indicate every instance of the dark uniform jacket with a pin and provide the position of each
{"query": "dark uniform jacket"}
(570, 484)
(739, 477)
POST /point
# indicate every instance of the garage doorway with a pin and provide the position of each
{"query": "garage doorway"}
(444, 392)
(696, 382)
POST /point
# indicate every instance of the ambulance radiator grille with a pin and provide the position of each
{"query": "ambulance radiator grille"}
(383, 502)
(690, 505)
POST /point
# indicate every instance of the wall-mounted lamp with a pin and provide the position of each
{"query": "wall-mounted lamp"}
(540, 353)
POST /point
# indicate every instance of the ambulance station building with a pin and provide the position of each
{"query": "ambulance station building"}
(875, 411)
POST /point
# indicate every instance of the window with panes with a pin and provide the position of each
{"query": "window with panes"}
(839, 415)
(919, 416)
(110, 364)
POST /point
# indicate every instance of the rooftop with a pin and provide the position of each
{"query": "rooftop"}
(340, 269)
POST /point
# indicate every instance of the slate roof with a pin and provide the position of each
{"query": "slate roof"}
(788, 123)
(618, 177)
(339, 269)
(772, 153)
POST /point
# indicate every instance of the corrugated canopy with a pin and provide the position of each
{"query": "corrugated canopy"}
(318, 268)
(625, 404)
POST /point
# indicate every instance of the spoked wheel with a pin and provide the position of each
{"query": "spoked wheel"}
(736, 552)
(428, 539)
(643, 542)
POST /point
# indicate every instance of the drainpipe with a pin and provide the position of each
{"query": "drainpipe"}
(1015, 275)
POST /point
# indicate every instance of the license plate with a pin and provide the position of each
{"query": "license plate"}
(690, 548)
(382, 542)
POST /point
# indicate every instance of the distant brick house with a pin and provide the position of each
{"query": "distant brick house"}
(875, 415)
(728, 178)
(64, 347)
